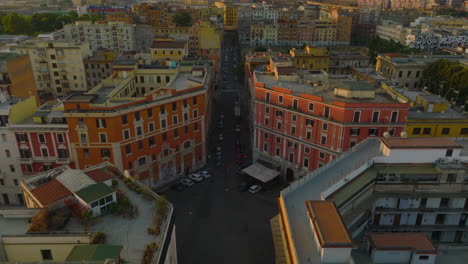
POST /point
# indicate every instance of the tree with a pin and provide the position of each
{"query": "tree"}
(182, 18)
(378, 45)
(260, 49)
(15, 24)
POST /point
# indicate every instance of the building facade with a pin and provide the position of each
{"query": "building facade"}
(99, 66)
(57, 66)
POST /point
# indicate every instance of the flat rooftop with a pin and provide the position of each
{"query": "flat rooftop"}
(326, 91)
(421, 143)
(184, 81)
(417, 242)
(328, 225)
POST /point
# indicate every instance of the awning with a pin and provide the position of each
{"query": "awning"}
(260, 172)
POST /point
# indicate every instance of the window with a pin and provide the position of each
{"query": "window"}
(162, 110)
(293, 130)
(46, 253)
(29, 168)
(140, 144)
(391, 131)
(352, 143)
(126, 134)
(163, 123)
(326, 112)
(449, 153)
(277, 151)
(174, 120)
(309, 122)
(356, 116)
(278, 125)
(295, 104)
(137, 116)
(394, 117)
(174, 107)
(294, 118)
(62, 153)
(7, 153)
(426, 131)
(194, 100)
(139, 131)
(306, 150)
(308, 134)
(445, 131)
(280, 99)
(195, 127)
(323, 139)
(322, 155)
(373, 131)
(464, 131)
(142, 161)
(265, 147)
(400, 74)
(176, 133)
(86, 153)
(279, 113)
(20, 198)
(417, 74)
(195, 113)
(124, 120)
(105, 153)
(41, 138)
(103, 137)
(324, 126)
(423, 257)
(311, 107)
(44, 152)
(151, 127)
(267, 109)
(186, 116)
(185, 102)
(306, 162)
(22, 138)
(151, 141)
(60, 138)
(416, 131)
(354, 131)
(451, 177)
(375, 116)
(164, 137)
(6, 200)
(187, 144)
(2, 182)
(267, 97)
(128, 149)
(100, 123)
(150, 112)
(291, 157)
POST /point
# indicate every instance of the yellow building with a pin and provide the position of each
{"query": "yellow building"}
(311, 58)
(430, 114)
(163, 50)
(230, 17)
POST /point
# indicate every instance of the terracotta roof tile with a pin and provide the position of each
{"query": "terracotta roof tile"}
(100, 175)
(420, 143)
(418, 242)
(50, 192)
(328, 225)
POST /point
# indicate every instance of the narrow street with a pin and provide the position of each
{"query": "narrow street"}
(215, 222)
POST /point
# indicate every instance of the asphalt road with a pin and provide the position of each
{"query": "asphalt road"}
(215, 223)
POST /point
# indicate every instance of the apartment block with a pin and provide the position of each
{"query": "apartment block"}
(157, 15)
(148, 119)
(164, 50)
(390, 30)
(16, 77)
(302, 119)
(57, 66)
(230, 17)
(399, 199)
(99, 66)
(118, 36)
(343, 62)
(311, 58)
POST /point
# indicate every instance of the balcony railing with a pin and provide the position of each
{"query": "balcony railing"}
(26, 160)
(63, 160)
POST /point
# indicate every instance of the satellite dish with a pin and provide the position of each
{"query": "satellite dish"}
(386, 134)
(404, 134)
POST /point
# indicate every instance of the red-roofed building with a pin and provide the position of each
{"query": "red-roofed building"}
(49, 193)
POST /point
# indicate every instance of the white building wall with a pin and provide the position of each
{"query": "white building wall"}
(386, 219)
(433, 203)
(8, 142)
(464, 237)
(452, 219)
(386, 202)
(408, 218)
(417, 155)
(457, 202)
(428, 219)
(390, 256)
(335, 255)
(415, 202)
(415, 259)
(447, 236)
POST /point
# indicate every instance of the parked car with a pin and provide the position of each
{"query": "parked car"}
(205, 174)
(243, 186)
(186, 182)
(220, 137)
(218, 151)
(178, 187)
(255, 189)
(237, 128)
(196, 177)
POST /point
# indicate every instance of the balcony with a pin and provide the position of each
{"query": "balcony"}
(63, 160)
(25, 160)
(420, 187)
(44, 159)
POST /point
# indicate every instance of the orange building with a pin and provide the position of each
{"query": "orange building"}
(120, 17)
(16, 77)
(150, 120)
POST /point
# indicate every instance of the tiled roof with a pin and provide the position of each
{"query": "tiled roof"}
(418, 242)
(328, 225)
(50, 192)
(94, 252)
(421, 143)
(100, 175)
(94, 192)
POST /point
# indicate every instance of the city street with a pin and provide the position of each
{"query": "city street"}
(215, 222)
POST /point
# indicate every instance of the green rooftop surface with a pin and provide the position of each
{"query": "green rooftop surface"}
(94, 252)
(94, 192)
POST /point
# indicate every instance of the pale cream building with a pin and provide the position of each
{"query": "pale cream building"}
(57, 65)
